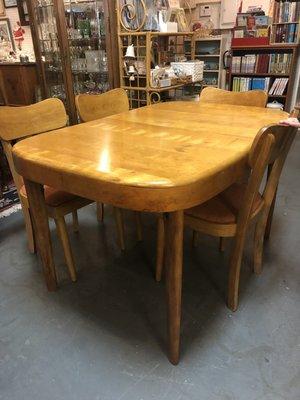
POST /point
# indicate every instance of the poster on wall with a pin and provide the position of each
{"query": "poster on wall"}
(6, 38)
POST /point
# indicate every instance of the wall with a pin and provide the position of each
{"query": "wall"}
(27, 46)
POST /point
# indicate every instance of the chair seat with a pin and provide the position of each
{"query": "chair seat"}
(53, 197)
(224, 208)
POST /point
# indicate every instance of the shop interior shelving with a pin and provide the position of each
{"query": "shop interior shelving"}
(277, 48)
(150, 48)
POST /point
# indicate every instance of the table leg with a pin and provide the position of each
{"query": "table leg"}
(174, 243)
(38, 212)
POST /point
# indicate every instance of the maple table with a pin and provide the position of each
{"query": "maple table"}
(161, 158)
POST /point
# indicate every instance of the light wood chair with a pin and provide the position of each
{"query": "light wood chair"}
(97, 106)
(230, 213)
(17, 123)
(91, 107)
(254, 98)
(216, 216)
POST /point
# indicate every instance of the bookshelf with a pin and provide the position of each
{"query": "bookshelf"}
(286, 18)
(209, 50)
(269, 67)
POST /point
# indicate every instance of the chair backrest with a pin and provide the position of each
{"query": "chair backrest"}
(254, 98)
(95, 106)
(271, 145)
(17, 123)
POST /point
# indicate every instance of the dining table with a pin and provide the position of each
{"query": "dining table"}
(162, 158)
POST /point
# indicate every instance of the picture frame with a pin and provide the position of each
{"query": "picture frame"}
(23, 12)
(10, 3)
(6, 32)
(2, 8)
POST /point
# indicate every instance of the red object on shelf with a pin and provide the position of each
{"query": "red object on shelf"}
(245, 42)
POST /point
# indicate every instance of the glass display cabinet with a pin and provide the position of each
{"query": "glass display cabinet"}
(75, 46)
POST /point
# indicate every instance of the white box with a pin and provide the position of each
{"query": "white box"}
(169, 27)
(193, 68)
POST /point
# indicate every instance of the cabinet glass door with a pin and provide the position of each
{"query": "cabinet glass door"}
(50, 49)
(87, 44)
(72, 43)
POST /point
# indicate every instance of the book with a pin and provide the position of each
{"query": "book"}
(261, 20)
(243, 84)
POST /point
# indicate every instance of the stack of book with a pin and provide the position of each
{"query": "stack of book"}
(288, 11)
(274, 63)
(243, 84)
(278, 87)
(285, 27)
(285, 33)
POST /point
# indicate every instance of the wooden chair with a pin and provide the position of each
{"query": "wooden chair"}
(97, 106)
(91, 107)
(254, 98)
(230, 213)
(17, 123)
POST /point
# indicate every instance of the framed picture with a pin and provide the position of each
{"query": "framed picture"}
(6, 34)
(10, 3)
(2, 8)
(23, 12)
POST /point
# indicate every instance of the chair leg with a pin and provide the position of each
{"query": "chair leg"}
(100, 212)
(139, 228)
(75, 221)
(120, 226)
(195, 238)
(234, 273)
(160, 246)
(222, 245)
(63, 235)
(29, 229)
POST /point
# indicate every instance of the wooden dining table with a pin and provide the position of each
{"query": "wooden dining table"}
(161, 158)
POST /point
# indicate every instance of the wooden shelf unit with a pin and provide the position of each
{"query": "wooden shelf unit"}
(277, 48)
(213, 73)
(151, 48)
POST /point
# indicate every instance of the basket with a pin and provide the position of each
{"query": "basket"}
(193, 68)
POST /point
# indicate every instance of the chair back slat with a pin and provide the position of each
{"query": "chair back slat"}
(254, 98)
(17, 123)
(96, 106)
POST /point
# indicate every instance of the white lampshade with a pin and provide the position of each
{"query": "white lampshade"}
(130, 52)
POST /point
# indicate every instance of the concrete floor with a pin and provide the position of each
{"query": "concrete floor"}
(104, 337)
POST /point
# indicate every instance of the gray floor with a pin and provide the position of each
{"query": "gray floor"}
(104, 337)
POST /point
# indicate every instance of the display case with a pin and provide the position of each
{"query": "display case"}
(75, 45)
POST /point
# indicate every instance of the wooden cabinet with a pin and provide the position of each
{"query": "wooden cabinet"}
(18, 83)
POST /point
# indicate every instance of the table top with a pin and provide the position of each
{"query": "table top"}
(164, 157)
